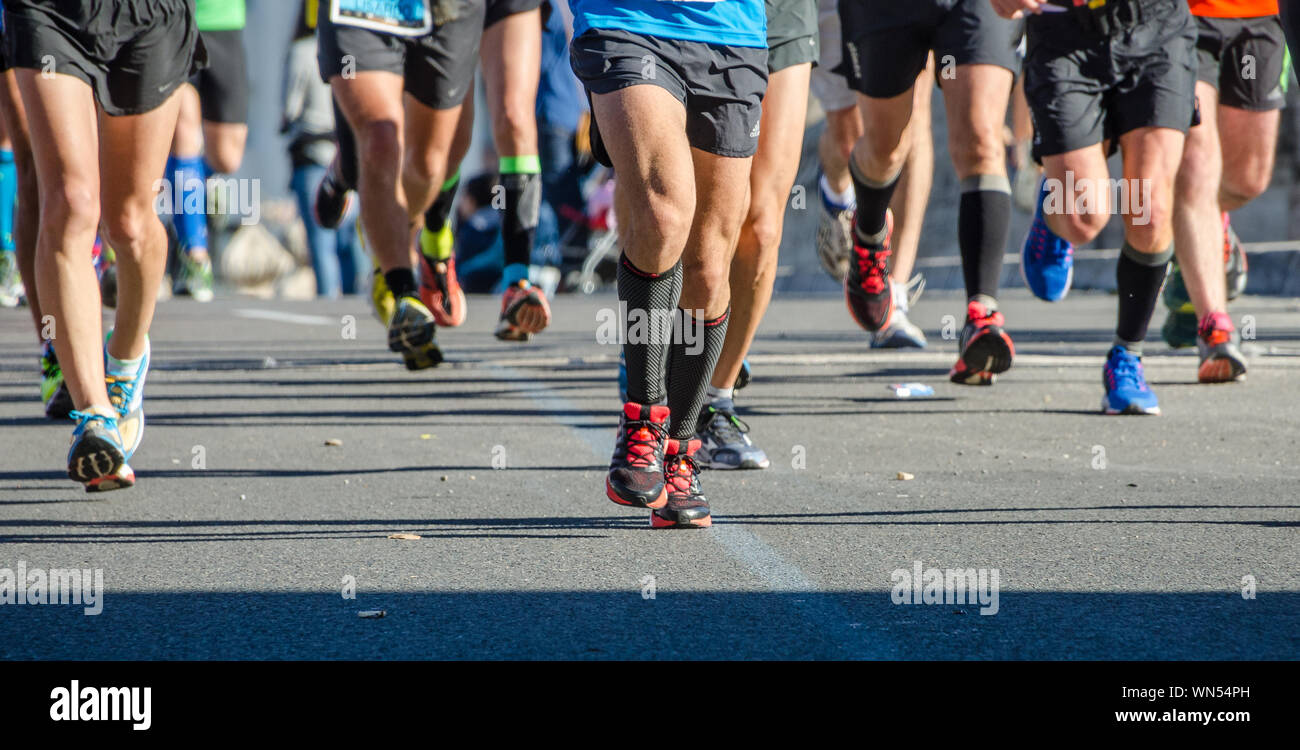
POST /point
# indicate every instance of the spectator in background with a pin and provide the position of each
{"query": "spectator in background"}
(561, 121)
(336, 255)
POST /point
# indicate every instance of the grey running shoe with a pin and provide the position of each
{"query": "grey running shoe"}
(902, 333)
(835, 240)
(724, 444)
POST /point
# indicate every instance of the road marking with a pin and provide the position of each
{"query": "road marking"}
(286, 317)
(764, 562)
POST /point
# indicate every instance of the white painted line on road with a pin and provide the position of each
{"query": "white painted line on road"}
(285, 317)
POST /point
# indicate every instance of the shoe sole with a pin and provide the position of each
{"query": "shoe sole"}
(423, 358)
(452, 321)
(988, 354)
(508, 329)
(746, 465)
(116, 475)
(613, 495)
(1131, 409)
(417, 346)
(658, 522)
(1220, 370)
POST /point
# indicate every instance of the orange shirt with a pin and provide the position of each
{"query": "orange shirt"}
(1233, 8)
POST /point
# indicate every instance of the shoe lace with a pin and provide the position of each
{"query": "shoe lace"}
(726, 426)
(1126, 371)
(680, 471)
(120, 391)
(82, 417)
(913, 289)
(873, 265)
(641, 441)
(1044, 244)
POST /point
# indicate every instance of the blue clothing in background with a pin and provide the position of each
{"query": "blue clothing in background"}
(739, 23)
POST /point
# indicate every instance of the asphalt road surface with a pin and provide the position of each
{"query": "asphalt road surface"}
(1111, 537)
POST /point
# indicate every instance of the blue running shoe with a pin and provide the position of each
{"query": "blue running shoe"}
(126, 394)
(97, 458)
(1126, 387)
(1046, 261)
(742, 377)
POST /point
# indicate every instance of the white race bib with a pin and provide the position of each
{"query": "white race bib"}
(399, 17)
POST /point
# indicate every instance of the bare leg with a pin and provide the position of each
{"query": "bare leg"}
(775, 165)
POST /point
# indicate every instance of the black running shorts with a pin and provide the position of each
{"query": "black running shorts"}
(721, 86)
(223, 85)
(1245, 60)
(792, 37)
(887, 42)
(132, 53)
(438, 68)
(499, 9)
(1085, 86)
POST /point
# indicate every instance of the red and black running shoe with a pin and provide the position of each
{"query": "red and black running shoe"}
(687, 507)
(867, 290)
(636, 472)
(986, 349)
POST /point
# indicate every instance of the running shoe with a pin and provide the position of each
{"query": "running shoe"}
(412, 333)
(96, 458)
(1234, 260)
(687, 508)
(867, 290)
(1046, 261)
(11, 283)
(1126, 385)
(1221, 358)
(835, 239)
(986, 349)
(1179, 328)
(54, 392)
(126, 394)
(902, 333)
(742, 377)
(439, 289)
(332, 199)
(524, 311)
(636, 471)
(724, 441)
(194, 278)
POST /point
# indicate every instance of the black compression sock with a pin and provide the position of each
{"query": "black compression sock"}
(401, 282)
(649, 300)
(523, 184)
(1138, 278)
(690, 365)
(873, 200)
(440, 211)
(983, 226)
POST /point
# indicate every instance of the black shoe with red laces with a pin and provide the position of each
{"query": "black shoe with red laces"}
(986, 349)
(636, 472)
(867, 290)
(687, 507)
